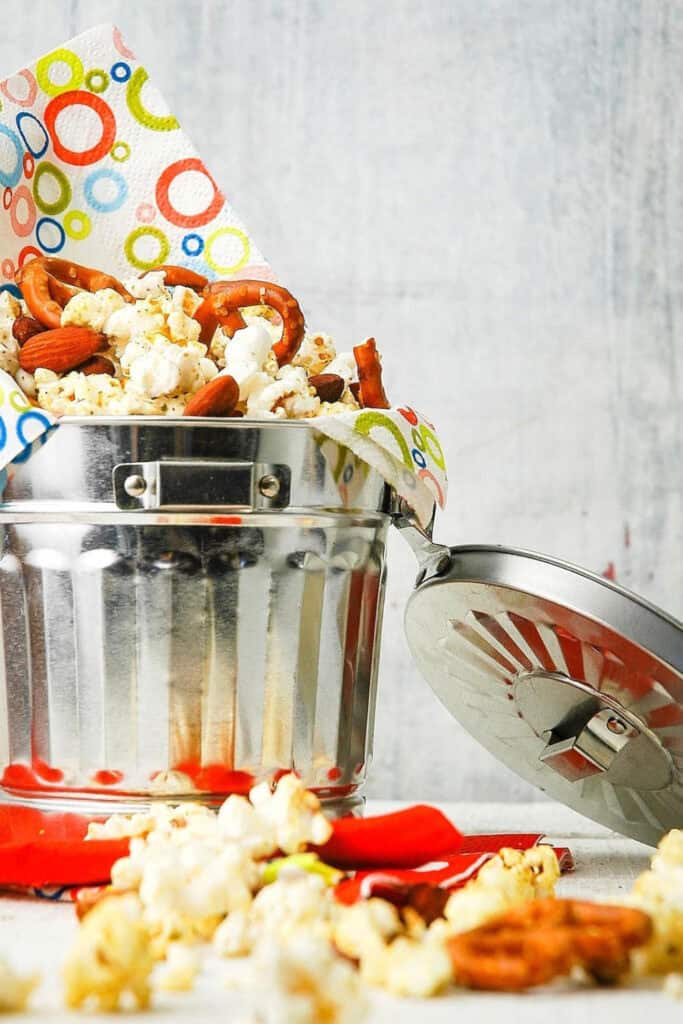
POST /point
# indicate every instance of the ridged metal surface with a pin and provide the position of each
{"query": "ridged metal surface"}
(135, 643)
(503, 632)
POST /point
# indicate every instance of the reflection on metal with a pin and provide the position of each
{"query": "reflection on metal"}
(180, 596)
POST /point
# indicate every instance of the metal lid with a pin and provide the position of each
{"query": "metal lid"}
(574, 683)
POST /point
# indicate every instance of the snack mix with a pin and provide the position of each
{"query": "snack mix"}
(169, 343)
(241, 886)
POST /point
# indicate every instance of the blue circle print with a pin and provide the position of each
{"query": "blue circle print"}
(24, 115)
(33, 414)
(192, 244)
(419, 458)
(10, 178)
(43, 223)
(120, 71)
(12, 289)
(106, 205)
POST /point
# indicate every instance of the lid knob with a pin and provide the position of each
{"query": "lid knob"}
(588, 733)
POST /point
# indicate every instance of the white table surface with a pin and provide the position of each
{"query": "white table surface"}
(35, 934)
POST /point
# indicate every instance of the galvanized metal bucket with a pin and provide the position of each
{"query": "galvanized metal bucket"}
(186, 606)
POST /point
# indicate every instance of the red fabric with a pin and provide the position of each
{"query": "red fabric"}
(39, 849)
(403, 839)
(516, 841)
(452, 872)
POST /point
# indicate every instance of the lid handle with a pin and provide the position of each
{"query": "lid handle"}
(434, 559)
(591, 748)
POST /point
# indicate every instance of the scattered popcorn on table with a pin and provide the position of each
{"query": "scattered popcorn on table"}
(509, 878)
(196, 876)
(179, 970)
(659, 891)
(292, 812)
(192, 867)
(377, 935)
(110, 957)
(292, 904)
(15, 989)
(407, 967)
(673, 985)
(305, 982)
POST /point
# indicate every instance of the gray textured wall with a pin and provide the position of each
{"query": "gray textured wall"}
(495, 189)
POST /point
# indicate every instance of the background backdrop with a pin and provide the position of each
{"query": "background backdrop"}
(494, 188)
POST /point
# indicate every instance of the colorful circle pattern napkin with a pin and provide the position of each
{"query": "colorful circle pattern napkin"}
(95, 168)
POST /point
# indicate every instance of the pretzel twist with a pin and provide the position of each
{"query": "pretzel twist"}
(544, 939)
(47, 284)
(371, 389)
(224, 299)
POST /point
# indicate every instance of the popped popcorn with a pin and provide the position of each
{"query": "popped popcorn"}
(159, 362)
(10, 309)
(408, 967)
(179, 970)
(305, 982)
(365, 927)
(659, 891)
(110, 957)
(91, 309)
(148, 286)
(15, 989)
(279, 910)
(316, 351)
(191, 867)
(156, 366)
(673, 985)
(197, 876)
(292, 812)
(161, 816)
(186, 884)
(509, 878)
(392, 949)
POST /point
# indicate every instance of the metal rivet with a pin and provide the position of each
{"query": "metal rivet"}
(616, 726)
(135, 486)
(269, 486)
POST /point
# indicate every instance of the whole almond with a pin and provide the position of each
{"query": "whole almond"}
(354, 388)
(24, 327)
(217, 398)
(98, 364)
(61, 349)
(329, 386)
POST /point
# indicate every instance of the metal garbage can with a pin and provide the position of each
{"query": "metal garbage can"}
(188, 605)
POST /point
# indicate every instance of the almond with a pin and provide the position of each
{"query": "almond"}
(354, 388)
(61, 349)
(329, 387)
(217, 398)
(24, 327)
(98, 364)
